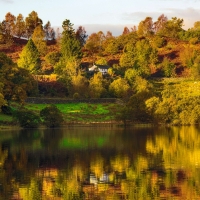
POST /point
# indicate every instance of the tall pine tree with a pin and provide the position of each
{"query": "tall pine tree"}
(70, 51)
(29, 57)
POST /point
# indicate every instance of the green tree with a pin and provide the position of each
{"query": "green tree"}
(119, 87)
(172, 28)
(51, 116)
(80, 85)
(139, 56)
(101, 61)
(38, 38)
(52, 58)
(70, 51)
(2, 100)
(16, 83)
(167, 67)
(29, 57)
(96, 88)
(27, 118)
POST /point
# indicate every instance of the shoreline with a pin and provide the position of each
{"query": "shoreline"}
(82, 124)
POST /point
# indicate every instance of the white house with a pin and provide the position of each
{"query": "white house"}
(101, 68)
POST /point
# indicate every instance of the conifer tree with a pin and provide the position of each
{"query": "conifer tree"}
(70, 51)
(38, 38)
(29, 57)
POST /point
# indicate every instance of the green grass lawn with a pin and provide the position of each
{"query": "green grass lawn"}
(82, 112)
(6, 118)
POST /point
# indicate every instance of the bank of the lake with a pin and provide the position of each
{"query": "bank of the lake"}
(74, 113)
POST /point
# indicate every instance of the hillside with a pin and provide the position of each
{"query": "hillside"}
(171, 50)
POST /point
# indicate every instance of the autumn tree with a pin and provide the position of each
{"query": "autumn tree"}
(96, 88)
(2, 36)
(29, 57)
(119, 88)
(38, 38)
(168, 68)
(20, 27)
(81, 35)
(8, 26)
(50, 33)
(172, 28)
(101, 61)
(160, 23)
(17, 82)
(32, 21)
(110, 44)
(145, 27)
(94, 43)
(52, 58)
(80, 86)
(126, 31)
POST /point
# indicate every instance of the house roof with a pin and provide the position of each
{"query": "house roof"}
(102, 66)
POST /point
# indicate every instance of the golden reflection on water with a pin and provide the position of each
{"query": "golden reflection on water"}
(149, 163)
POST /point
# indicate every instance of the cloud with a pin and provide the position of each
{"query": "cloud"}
(189, 15)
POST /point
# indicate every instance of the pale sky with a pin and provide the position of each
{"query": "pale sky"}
(105, 15)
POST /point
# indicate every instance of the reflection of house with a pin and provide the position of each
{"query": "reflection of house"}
(101, 68)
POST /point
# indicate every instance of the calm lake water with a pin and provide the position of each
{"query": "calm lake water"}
(100, 163)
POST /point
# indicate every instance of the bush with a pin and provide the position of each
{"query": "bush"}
(27, 118)
(51, 116)
(194, 40)
(160, 42)
(76, 96)
(7, 110)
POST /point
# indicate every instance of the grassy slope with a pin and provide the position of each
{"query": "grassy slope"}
(82, 112)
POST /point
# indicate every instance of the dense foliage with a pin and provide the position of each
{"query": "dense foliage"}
(51, 116)
(27, 118)
(127, 66)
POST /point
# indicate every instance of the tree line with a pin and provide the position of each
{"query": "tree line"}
(134, 58)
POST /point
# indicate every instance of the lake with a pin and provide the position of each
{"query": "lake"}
(100, 163)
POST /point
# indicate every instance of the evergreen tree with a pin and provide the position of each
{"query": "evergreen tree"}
(38, 38)
(70, 51)
(70, 46)
(32, 21)
(29, 57)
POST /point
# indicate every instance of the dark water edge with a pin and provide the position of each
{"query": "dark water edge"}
(100, 162)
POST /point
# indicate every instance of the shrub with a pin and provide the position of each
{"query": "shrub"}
(194, 40)
(51, 116)
(7, 110)
(76, 95)
(160, 42)
(27, 118)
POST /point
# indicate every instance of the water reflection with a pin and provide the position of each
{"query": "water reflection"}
(100, 163)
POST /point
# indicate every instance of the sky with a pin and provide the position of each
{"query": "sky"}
(103, 15)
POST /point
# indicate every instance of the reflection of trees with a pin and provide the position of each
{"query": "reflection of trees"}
(130, 164)
(181, 159)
